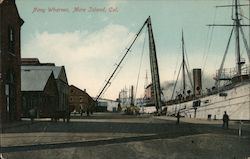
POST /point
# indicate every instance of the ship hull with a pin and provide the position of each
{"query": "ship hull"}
(235, 101)
(148, 109)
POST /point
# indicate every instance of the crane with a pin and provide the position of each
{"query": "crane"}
(153, 66)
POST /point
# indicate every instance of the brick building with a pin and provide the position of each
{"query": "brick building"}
(80, 99)
(10, 77)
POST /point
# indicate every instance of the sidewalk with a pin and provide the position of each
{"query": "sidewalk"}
(190, 120)
(232, 124)
(17, 124)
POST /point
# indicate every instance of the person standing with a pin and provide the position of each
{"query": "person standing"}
(225, 120)
(32, 114)
(178, 117)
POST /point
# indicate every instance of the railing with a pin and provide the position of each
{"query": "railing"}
(229, 73)
(245, 70)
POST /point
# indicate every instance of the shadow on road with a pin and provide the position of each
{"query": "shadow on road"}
(93, 143)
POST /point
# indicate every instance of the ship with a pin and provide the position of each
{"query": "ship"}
(230, 94)
(231, 91)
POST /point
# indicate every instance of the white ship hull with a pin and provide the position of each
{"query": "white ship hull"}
(148, 110)
(236, 102)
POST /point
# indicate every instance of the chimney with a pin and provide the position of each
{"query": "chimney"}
(197, 81)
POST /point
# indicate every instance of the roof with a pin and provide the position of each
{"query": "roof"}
(57, 70)
(30, 61)
(34, 80)
(83, 92)
(8, 10)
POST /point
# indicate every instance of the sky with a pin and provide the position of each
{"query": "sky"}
(89, 37)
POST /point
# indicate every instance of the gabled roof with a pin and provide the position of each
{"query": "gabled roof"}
(58, 71)
(34, 80)
(12, 2)
(79, 90)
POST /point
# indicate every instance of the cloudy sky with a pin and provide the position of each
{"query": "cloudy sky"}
(89, 37)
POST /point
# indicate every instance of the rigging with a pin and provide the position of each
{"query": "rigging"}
(237, 28)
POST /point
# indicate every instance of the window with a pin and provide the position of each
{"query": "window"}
(11, 39)
(196, 103)
(10, 89)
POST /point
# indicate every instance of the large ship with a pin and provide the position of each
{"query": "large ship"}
(231, 91)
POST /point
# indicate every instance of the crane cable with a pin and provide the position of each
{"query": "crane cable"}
(120, 62)
(142, 53)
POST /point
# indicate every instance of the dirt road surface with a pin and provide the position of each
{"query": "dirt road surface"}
(119, 136)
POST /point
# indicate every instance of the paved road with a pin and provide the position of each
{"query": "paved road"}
(107, 135)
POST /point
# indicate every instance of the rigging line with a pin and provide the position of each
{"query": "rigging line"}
(245, 42)
(106, 78)
(115, 75)
(176, 64)
(244, 17)
(223, 60)
(185, 53)
(206, 42)
(241, 14)
(210, 42)
(128, 42)
(119, 70)
(189, 76)
(140, 63)
(128, 50)
(232, 10)
(176, 83)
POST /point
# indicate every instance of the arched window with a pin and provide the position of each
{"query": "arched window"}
(10, 89)
(11, 35)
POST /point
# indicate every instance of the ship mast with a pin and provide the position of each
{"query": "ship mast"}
(237, 38)
(183, 65)
(237, 28)
(183, 68)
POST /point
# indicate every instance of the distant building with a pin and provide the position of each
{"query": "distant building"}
(79, 99)
(39, 92)
(149, 92)
(10, 78)
(106, 105)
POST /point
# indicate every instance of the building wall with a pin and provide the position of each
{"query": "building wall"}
(149, 93)
(78, 99)
(10, 82)
(30, 61)
(63, 89)
(60, 76)
(110, 105)
(44, 102)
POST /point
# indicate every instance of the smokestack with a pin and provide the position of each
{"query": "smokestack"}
(132, 95)
(197, 81)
